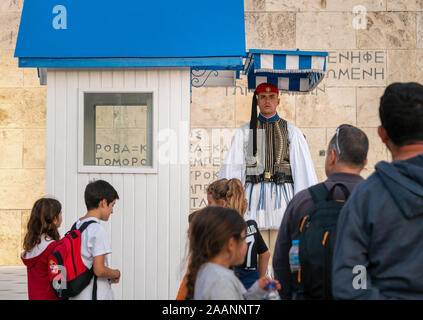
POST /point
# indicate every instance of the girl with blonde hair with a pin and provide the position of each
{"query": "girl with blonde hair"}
(231, 194)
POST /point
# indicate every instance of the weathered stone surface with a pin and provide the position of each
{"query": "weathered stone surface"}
(270, 30)
(23, 188)
(377, 150)
(23, 108)
(356, 68)
(405, 65)
(368, 100)
(212, 107)
(321, 174)
(388, 30)
(325, 30)
(10, 237)
(334, 107)
(420, 30)
(10, 75)
(254, 5)
(9, 27)
(30, 78)
(405, 5)
(324, 5)
(316, 140)
(11, 146)
(11, 6)
(34, 151)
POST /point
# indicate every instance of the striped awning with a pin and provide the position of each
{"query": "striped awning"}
(290, 71)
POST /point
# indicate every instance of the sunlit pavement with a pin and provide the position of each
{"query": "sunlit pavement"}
(13, 283)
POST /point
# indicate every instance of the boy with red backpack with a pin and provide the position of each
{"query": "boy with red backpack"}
(100, 197)
(79, 266)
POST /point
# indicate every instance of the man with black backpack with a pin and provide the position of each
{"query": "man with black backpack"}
(311, 218)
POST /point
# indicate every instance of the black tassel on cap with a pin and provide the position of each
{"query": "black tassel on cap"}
(253, 122)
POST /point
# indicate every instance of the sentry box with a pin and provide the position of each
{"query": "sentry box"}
(119, 78)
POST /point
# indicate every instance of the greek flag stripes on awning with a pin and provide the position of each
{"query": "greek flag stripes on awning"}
(295, 71)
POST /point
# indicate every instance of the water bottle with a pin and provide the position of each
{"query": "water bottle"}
(272, 293)
(294, 259)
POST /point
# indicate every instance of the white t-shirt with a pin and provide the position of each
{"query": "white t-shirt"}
(95, 242)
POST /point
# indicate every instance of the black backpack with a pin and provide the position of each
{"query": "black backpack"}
(317, 240)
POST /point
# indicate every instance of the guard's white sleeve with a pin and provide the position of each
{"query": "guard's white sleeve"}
(302, 167)
(234, 165)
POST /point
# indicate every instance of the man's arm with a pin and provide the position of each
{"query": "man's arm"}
(101, 271)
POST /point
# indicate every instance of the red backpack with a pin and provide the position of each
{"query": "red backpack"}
(68, 274)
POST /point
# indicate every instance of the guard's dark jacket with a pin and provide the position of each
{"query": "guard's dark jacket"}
(381, 228)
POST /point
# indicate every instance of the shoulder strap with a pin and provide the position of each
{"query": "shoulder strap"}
(319, 192)
(342, 187)
(84, 225)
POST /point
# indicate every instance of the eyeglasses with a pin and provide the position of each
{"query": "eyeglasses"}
(337, 135)
(337, 142)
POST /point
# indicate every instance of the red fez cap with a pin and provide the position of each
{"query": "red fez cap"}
(266, 87)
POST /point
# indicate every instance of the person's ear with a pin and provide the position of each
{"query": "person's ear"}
(365, 163)
(332, 157)
(381, 131)
(222, 202)
(103, 203)
(231, 244)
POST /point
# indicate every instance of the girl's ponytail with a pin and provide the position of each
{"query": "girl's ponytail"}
(235, 196)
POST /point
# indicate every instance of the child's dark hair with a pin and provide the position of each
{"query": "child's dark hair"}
(98, 190)
(211, 229)
(41, 221)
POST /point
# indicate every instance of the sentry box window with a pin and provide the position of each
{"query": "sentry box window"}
(117, 132)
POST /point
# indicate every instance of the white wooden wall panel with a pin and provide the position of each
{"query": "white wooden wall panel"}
(149, 223)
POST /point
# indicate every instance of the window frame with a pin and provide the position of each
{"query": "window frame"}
(82, 168)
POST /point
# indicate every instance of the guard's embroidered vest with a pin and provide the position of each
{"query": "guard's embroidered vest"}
(271, 163)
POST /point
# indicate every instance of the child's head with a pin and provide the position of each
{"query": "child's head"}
(228, 193)
(101, 195)
(46, 217)
(215, 231)
(216, 192)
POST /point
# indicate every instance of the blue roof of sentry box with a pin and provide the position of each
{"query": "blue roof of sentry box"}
(131, 33)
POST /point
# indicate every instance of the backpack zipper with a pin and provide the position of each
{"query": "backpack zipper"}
(324, 238)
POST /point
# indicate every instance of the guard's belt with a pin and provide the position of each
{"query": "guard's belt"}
(278, 178)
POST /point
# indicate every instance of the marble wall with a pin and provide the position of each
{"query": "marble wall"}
(22, 138)
(371, 43)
